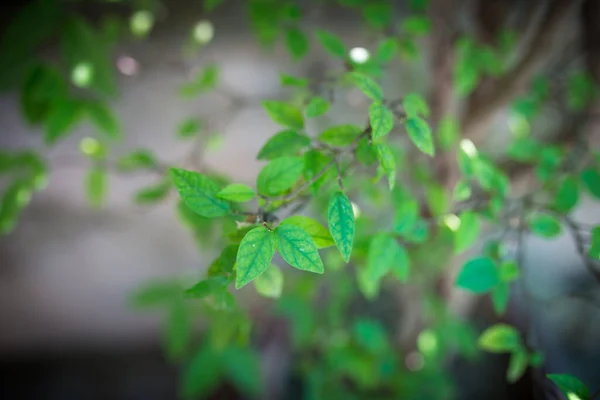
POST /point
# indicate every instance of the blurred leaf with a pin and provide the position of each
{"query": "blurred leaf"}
(41, 86)
(210, 5)
(331, 43)
(242, 367)
(95, 186)
(591, 181)
(448, 132)
(15, 197)
(478, 275)
(254, 255)
(298, 249)
(288, 80)
(177, 335)
(386, 50)
(340, 135)
(567, 195)
(155, 294)
(237, 193)
(420, 134)
(137, 159)
(408, 49)
(189, 127)
(415, 105)
(381, 120)
(382, 255)
(594, 251)
(63, 115)
(509, 271)
(524, 149)
(283, 143)
(544, 225)
(270, 282)
(378, 14)
(367, 85)
(570, 385)
(318, 232)
(416, 25)
(366, 153)
(104, 119)
(317, 106)
(208, 287)
(279, 175)
(205, 80)
(284, 114)
(297, 43)
(203, 373)
(341, 223)
(500, 296)
(314, 163)
(387, 162)
(467, 233)
(500, 338)
(300, 316)
(517, 366)
(462, 191)
(370, 335)
(153, 193)
(199, 193)
(581, 91)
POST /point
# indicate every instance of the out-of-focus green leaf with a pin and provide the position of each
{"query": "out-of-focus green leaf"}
(416, 25)
(367, 85)
(296, 42)
(544, 225)
(340, 135)
(500, 338)
(284, 114)
(478, 275)
(331, 43)
(95, 186)
(570, 386)
(381, 120)
(279, 175)
(270, 282)
(204, 80)
(420, 134)
(317, 106)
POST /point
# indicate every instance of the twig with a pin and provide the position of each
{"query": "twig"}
(579, 244)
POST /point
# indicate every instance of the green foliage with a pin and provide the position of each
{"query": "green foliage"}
(420, 134)
(544, 225)
(478, 275)
(317, 106)
(570, 386)
(341, 223)
(199, 193)
(284, 114)
(236, 192)
(331, 43)
(298, 249)
(367, 85)
(284, 143)
(340, 135)
(254, 256)
(279, 175)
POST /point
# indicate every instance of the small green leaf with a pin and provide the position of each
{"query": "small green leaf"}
(288, 80)
(517, 366)
(370, 335)
(591, 181)
(296, 42)
(415, 105)
(570, 385)
(378, 14)
(331, 43)
(104, 119)
(202, 374)
(189, 127)
(567, 195)
(387, 162)
(341, 223)
(137, 159)
(199, 193)
(340, 135)
(386, 51)
(408, 49)
(284, 114)
(314, 163)
(284, 143)
(381, 255)
(401, 266)
(254, 256)
(509, 271)
(270, 283)
(208, 287)
(581, 90)
(544, 225)
(467, 233)
(420, 134)
(416, 25)
(448, 132)
(14, 199)
(298, 249)
(317, 106)
(367, 85)
(318, 232)
(204, 80)
(478, 275)
(279, 175)
(95, 186)
(500, 338)
(462, 190)
(177, 333)
(237, 193)
(500, 296)
(62, 117)
(381, 120)
(153, 194)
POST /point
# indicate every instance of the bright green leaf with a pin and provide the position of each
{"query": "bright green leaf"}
(478, 275)
(381, 120)
(386, 51)
(591, 181)
(420, 134)
(317, 106)
(284, 114)
(331, 43)
(367, 85)
(517, 366)
(387, 162)
(416, 25)
(467, 233)
(254, 256)
(567, 194)
(318, 232)
(500, 296)
(341, 223)
(270, 282)
(199, 193)
(415, 105)
(509, 271)
(189, 127)
(500, 338)
(296, 42)
(284, 143)
(279, 175)
(544, 225)
(288, 80)
(340, 135)
(237, 193)
(568, 384)
(298, 248)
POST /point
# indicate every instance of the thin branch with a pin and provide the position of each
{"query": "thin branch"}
(580, 246)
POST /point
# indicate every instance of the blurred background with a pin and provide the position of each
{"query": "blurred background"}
(67, 330)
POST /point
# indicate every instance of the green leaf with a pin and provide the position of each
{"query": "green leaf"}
(386, 51)
(317, 106)
(153, 194)
(204, 80)
(570, 385)
(254, 256)
(509, 271)
(62, 117)
(370, 335)
(591, 181)
(284, 114)
(315, 162)
(95, 186)
(366, 153)
(478, 275)
(416, 25)
(199, 193)
(378, 14)
(208, 287)
(381, 255)
(467, 233)
(448, 132)
(279, 175)
(500, 296)
(500, 338)
(155, 294)
(544, 225)
(202, 374)
(284, 143)
(298, 249)
(137, 159)
(462, 191)
(367, 85)
(581, 90)
(270, 283)
(288, 80)
(420, 134)
(381, 120)
(331, 43)
(237, 193)
(340, 135)
(16, 196)
(242, 366)
(189, 127)
(103, 119)
(567, 195)
(296, 42)
(415, 105)
(387, 162)
(401, 266)
(318, 232)
(341, 223)
(517, 366)
(177, 332)
(408, 49)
